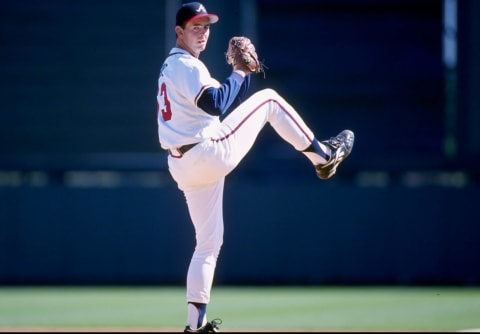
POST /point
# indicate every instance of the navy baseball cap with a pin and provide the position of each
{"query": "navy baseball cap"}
(192, 11)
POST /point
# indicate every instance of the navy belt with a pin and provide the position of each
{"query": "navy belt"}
(183, 149)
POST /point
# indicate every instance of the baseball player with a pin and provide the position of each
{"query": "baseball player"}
(207, 127)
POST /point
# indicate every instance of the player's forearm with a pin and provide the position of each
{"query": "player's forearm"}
(217, 101)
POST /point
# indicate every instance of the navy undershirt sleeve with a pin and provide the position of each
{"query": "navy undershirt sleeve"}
(240, 96)
(217, 101)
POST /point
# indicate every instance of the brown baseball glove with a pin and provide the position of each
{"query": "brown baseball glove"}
(241, 54)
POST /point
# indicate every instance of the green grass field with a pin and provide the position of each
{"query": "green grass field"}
(242, 308)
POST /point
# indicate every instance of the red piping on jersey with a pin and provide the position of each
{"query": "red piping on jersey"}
(255, 110)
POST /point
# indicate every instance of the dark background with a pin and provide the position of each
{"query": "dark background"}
(85, 196)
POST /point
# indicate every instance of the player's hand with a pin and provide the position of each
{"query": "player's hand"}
(241, 54)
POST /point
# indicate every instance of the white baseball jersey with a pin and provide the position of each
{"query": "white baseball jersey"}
(180, 121)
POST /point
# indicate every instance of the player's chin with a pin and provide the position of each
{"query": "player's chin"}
(201, 46)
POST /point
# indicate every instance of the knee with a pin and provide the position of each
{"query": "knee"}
(269, 92)
(210, 247)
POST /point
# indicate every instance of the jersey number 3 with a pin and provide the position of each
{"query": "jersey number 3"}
(166, 110)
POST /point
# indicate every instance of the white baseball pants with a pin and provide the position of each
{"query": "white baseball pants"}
(200, 174)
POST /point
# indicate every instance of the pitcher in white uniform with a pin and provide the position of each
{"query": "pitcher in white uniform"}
(207, 128)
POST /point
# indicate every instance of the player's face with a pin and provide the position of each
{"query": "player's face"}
(195, 36)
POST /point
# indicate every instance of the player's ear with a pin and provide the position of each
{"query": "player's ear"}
(179, 31)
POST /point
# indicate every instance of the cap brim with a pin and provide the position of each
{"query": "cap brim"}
(213, 18)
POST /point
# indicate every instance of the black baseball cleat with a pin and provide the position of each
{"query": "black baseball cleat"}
(340, 146)
(209, 327)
